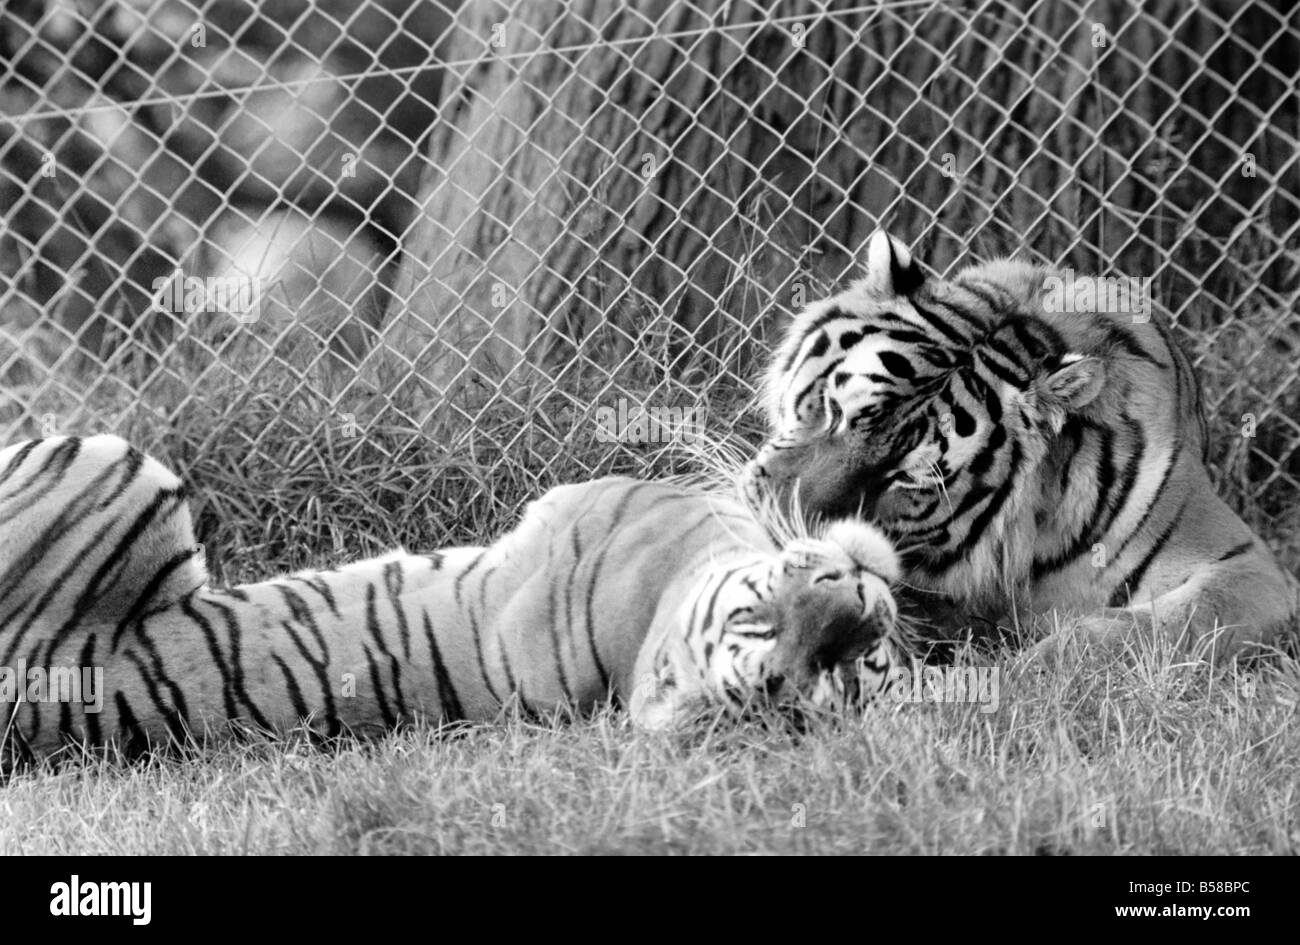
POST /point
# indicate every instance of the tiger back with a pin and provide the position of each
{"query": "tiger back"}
(658, 595)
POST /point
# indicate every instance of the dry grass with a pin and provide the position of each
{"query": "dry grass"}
(1147, 756)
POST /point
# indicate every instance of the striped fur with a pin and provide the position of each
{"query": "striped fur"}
(648, 593)
(1026, 459)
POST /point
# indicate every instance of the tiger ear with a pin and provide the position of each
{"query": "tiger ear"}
(890, 267)
(1072, 386)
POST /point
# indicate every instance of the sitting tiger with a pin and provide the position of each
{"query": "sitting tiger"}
(1027, 458)
(661, 596)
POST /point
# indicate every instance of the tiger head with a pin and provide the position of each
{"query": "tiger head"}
(815, 621)
(925, 405)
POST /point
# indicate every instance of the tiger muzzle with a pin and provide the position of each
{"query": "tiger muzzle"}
(820, 634)
(824, 478)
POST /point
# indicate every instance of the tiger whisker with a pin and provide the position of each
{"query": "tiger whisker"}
(906, 636)
(939, 481)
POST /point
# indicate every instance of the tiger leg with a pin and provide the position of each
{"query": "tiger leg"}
(1218, 615)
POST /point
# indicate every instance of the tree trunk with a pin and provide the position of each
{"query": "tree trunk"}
(611, 170)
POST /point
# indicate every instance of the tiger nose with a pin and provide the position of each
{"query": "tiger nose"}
(844, 637)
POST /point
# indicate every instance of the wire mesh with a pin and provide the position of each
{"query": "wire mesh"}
(565, 235)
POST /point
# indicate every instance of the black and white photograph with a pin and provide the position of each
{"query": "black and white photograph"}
(663, 427)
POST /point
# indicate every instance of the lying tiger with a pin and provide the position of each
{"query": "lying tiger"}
(663, 597)
(1029, 457)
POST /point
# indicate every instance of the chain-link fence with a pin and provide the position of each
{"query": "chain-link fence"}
(467, 250)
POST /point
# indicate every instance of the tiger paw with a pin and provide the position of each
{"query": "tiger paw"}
(1090, 637)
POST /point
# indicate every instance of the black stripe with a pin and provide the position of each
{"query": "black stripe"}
(983, 462)
(992, 403)
(399, 697)
(447, 697)
(810, 389)
(210, 639)
(65, 721)
(291, 684)
(320, 667)
(137, 742)
(236, 663)
(974, 496)
(896, 364)
(72, 515)
(167, 711)
(1121, 337)
(55, 584)
(590, 621)
(572, 567)
(1185, 377)
(940, 324)
(372, 619)
(304, 615)
(985, 362)
(114, 561)
(180, 713)
(796, 351)
(1104, 477)
(710, 611)
(393, 581)
(963, 313)
(58, 463)
(512, 685)
(991, 294)
(478, 652)
(460, 578)
(1156, 497)
(553, 631)
(1038, 339)
(473, 623)
(910, 336)
(1237, 551)
(711, 607)
(376, 633)
(1072, 432)
(611, 529)
(18, 459)
(977, 527)
(1013, 358)
(145, 597)
(377, 682)
(87, 658)
(1130, 585)
(321, 587)
(693, 620)
(1109, 503)
(1128, 477)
